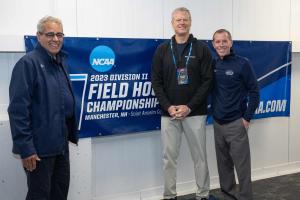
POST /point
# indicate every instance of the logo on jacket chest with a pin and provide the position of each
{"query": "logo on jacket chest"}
(229, 72)
(190, 56)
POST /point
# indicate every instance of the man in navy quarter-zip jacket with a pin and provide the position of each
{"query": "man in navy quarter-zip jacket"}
(42, 114)
(235, 97)
(181, 77)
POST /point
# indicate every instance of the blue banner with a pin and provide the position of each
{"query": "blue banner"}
(111, 80)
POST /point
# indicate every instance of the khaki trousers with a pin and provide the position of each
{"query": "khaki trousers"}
(171, 133)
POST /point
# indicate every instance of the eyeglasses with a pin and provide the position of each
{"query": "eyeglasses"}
(59, 35)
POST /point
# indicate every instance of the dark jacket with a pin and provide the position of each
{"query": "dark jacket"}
(36, 111)
(236, 92)
(200, 75)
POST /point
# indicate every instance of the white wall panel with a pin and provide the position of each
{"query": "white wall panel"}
(126, 164)
(12, 175)
(294, 137)
(261, 20)
(269, 142)
(252, 20)
(7, 62)
(295, 28)
(66, 10)
(81, 170)
(127, 18)
(19, 17)
(12, 43)
(207, 16)
(4, 81)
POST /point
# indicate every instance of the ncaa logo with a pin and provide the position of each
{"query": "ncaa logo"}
(102, 58)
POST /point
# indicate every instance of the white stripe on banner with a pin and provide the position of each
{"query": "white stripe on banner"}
(80, 77)
(273, 71)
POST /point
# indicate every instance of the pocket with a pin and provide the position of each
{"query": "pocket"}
(243, 126)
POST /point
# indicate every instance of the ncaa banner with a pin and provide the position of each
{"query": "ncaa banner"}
(112, 86)
(272, 65)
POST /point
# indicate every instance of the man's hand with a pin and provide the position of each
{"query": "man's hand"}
(172, 111)
(179, 112)
(29, 163)
(246, 123)
(182, 111)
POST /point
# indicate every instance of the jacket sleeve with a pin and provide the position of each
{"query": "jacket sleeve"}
(206, 75)
(251, 85)
(157, 78)
(19, 109)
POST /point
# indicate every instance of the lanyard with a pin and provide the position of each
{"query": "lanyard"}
(188, 58)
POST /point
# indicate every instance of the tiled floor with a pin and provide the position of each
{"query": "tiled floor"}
(278, 188)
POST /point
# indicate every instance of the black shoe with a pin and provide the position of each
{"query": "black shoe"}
(211, 197)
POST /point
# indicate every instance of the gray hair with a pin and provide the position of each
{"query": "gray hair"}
(182, 9)
(222, 30)
(41, 23)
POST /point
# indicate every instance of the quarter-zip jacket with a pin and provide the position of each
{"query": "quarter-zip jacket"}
(36, 108)
(236, 92)
(200, 76)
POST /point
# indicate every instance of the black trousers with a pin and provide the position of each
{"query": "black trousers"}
(50, 180)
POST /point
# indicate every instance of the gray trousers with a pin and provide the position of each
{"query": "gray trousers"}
(171, 134)
(232, 150)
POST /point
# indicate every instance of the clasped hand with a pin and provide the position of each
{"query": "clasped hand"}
(179, 111)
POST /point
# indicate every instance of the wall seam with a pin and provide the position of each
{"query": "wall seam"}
(289, 119)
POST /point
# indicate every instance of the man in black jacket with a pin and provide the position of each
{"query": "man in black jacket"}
(181, 78)
(42, 114)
